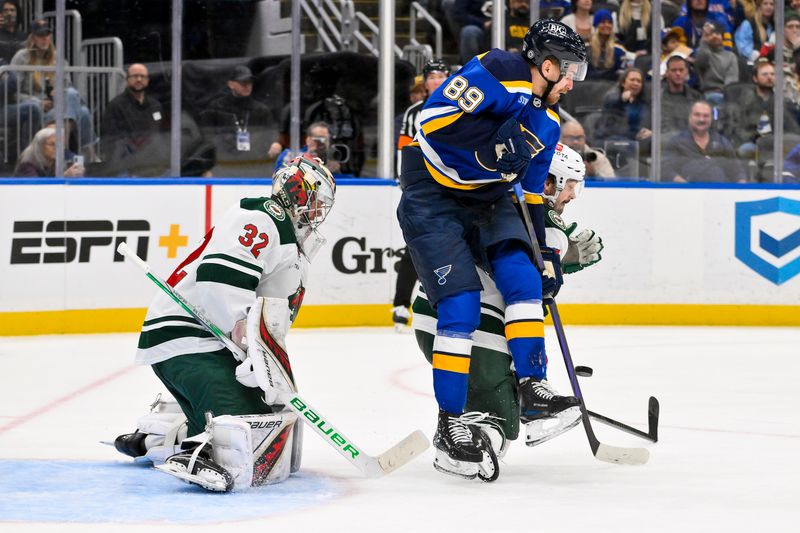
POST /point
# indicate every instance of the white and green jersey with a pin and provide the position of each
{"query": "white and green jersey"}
(251, 252)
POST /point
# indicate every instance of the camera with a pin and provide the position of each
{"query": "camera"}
(591, 157)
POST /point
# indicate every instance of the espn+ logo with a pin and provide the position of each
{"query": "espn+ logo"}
(64, 241)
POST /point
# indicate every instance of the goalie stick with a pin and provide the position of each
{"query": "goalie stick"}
(371, 466)
(601, 451)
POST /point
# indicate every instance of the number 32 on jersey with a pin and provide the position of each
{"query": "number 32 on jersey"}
(253, 239)
(467, 98)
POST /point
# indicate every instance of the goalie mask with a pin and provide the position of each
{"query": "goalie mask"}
(306, 189)
(567, 171)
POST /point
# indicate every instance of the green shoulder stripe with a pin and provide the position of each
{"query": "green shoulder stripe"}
(154, 337)
(235, 260)
(278, 214)
(227, 276)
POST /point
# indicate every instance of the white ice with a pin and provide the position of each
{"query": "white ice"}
(726, 459)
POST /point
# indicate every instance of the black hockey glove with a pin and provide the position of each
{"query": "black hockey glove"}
(513, 151)
(551, 277)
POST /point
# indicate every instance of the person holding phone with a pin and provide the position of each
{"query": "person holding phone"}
(39, 158)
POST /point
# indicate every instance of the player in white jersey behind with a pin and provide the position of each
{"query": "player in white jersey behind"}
(492, 384)
(248, 276)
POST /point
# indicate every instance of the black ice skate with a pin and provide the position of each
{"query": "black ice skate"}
(545, 413)
(459, 451)
(196, 466)
(131, 444)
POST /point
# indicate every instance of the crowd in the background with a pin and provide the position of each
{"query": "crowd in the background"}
(715, 51)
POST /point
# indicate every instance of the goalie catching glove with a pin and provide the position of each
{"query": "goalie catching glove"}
(267, 365)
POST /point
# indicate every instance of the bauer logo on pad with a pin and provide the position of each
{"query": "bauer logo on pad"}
(768, 237)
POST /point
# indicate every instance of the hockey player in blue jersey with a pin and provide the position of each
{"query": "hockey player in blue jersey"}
(490, 125)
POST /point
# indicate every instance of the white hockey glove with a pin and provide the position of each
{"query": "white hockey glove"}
(584, 250)
(267, 365)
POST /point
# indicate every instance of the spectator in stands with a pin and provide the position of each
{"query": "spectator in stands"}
(700, 154)
(37, 86)
(791, 41)
(580, 19)
(234, 118)
(518, 21)
(633, 26)
(12, 38)
(346, 134)
(473, 23)
(716, 66)
(626, 110)
(695, 19)
(752, 115)
(417, 92)
(676, 95)
(131, 123)
(791, 85)
(597, 164)
(39, 158)
(673, 43)
(317, 143)
(24, 117)
(606, 56)
(741, 10)
(756, 30)
(554, 9)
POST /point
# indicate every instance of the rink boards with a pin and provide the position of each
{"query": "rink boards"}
(673, 255)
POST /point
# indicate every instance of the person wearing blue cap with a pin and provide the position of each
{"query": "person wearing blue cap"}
(606, 56)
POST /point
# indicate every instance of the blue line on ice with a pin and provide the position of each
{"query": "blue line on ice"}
(94, 491)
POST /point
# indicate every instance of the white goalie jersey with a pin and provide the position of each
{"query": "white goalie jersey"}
(251, 252)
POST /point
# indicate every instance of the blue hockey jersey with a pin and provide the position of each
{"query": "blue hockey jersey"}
(459, 123)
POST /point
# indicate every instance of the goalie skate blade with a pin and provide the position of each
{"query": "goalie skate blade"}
(462, 469)
(540, 431)
(622, 456)
(183, 475)
(400, 454)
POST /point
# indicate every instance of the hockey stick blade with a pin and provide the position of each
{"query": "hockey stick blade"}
(389, 461)
(652, 422)
(603, 452)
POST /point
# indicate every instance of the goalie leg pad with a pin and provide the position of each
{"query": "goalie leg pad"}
(255, 449)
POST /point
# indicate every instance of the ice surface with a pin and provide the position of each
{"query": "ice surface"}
(726, 459)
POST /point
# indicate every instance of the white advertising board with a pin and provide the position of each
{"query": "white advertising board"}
(662, 245)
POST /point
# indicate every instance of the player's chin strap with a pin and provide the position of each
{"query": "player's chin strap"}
(550, 84)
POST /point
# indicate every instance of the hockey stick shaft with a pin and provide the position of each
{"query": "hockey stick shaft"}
(600, 451)
(389, 461)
